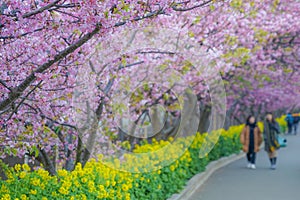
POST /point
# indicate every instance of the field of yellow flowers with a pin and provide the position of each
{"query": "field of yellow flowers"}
(99, 181)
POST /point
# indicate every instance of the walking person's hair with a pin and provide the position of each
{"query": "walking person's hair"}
(248, 119)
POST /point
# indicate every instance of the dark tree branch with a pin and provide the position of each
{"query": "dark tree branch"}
(69, 14)
(61, 124)
(40, 10)
(22, 35)
(3, 83)
(148, 15)
(22, 101)
(156, 52)
(17, 92)
(191, 8)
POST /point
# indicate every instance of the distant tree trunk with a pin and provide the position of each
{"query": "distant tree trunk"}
(44, 158)
(204, 122)
(156, 121)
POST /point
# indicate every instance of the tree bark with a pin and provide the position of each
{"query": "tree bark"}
(205, 114)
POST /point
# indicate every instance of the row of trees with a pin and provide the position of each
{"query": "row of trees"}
(67, 66)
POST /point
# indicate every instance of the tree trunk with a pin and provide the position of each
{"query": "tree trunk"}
(205, 114)
(48, 164)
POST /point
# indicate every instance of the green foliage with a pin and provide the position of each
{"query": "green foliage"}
(98, 181)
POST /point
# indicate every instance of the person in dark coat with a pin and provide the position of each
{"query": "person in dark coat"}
(290, 121)
(271, 129)
(296, 118)
(251, 138)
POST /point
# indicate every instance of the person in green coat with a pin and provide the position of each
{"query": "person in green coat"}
(271, 129)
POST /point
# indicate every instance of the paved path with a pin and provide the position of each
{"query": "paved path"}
(236, 182)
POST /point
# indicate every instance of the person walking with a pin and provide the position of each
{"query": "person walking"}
(251, 139)
(290, 120)
(296, 119)
(271, 129)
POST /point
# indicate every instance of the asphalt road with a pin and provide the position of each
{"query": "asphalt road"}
(236, 182)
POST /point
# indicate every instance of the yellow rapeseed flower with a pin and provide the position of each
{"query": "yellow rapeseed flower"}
(76, 183)
(62, 172)
(119, 196)
(54, 194)
(23, 197)
(136, 169)
(67, 183)
(113, 183)
(172, 168)
(84, 179)
(107, 183)
(35, 181)
(63, 190)
(91, 186)
(4, 189)
(105, 194)
(101, 187)
(106, 175)
(43, 173)
(26, 167)
(9, 175)
(18, 167)
(83, 197)
(127, 196)
(111, 194)
(100, 195)
(5, 197)
(78, 167)
(124, 187)
(34, 192)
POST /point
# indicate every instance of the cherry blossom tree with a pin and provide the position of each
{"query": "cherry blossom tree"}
(45, 45)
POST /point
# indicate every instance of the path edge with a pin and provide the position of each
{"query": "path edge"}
(197, 181)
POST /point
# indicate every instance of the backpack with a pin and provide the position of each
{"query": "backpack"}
(289, 119)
